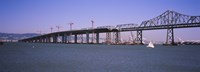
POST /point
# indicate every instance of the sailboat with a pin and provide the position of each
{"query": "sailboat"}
(150, 45)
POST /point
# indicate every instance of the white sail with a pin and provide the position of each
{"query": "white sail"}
(150, 45)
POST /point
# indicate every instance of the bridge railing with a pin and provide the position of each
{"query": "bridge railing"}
(106, 27)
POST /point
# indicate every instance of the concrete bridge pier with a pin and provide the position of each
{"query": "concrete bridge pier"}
(43, 39)
(70, 38)
(55, 40)
(75, 38)
(40, 39)
(81, 36)
(64, 38)
(87, 37)
(48, 39)
(97, 38)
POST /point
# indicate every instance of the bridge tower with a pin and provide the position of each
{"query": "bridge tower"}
(139, 37)
(117, 37)
(108, 37)
(170, 37)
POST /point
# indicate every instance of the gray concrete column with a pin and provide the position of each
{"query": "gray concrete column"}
(63, 39)
(97, 38)
(75, 38)
(87, 37)
(40, 39)
(55, 39)
(81, 38)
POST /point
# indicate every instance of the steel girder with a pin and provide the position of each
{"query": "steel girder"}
(139, 37)
(170, 36)
(117, 37)
(108, 37)
(130, 25)
(171, 18)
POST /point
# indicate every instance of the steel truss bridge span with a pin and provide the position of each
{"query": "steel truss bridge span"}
(169, 20)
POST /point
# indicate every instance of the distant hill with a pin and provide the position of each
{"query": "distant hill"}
(15, 36)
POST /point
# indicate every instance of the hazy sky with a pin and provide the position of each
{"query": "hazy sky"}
(30, 16)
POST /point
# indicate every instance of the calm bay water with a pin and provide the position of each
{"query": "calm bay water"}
(49, 57)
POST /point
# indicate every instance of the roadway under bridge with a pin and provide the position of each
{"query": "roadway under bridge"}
(169, 20)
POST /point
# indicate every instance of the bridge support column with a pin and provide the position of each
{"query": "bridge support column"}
(108, 37)
(40, 39)
(43, 40)
(97, 38)
(70, 38)
(64, 38)
(81, 38)
(117, 37)
(139, 37)
(75, 38)
(55, 39)
(87, 37)
(49, 39)
(170, 37)
(46, 39)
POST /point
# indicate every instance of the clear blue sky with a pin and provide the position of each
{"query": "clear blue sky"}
(30, 16)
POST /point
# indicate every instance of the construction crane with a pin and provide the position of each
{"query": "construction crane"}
(71, 25)
(93, 31)
(58, 27)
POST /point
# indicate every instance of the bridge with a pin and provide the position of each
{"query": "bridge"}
(169, 20)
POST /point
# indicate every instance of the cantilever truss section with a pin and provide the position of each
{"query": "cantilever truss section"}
(106, 27)
(171, 18)
(130, 25)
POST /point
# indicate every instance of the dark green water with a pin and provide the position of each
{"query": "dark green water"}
(43, 57)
